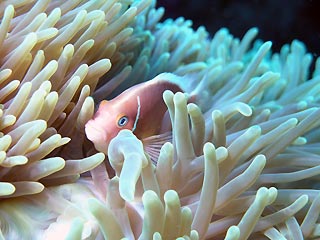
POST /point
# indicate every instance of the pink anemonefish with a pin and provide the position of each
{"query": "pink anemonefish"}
(141, 109)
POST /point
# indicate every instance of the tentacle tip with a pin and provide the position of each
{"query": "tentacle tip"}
(179, 98)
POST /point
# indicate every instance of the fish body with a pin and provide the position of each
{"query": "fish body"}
(140, 108)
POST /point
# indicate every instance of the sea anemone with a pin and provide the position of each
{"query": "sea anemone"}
(244, 158)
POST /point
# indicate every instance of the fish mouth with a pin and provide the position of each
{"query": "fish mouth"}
(97, 135)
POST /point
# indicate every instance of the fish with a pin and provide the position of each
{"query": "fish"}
(140, 109)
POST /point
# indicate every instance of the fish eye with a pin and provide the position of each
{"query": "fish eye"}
(123, 121)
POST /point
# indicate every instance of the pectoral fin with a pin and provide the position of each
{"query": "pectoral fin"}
(152, 145)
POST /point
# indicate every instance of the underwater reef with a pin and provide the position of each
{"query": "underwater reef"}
(244, 160)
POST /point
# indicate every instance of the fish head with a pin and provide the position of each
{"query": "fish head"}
(107, 122)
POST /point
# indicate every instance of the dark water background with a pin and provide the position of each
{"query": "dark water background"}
(280, 21)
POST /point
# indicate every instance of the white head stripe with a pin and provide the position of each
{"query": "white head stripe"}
(138, 114)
